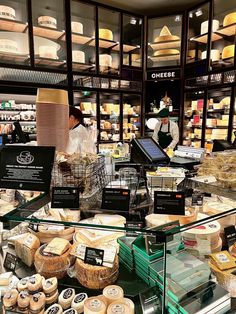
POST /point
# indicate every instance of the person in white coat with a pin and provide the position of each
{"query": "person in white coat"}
(78, 134)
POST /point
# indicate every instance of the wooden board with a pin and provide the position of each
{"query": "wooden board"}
(203, 39)
(48, 62)
(47, 32)
(166, 44)
(82, 66)
(13, 57)
(126, 48)
(12, 26)
(166, 58)
(78, 38)
(103, 43)
(227, 30)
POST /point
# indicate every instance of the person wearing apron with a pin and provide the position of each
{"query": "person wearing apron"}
(166, 132)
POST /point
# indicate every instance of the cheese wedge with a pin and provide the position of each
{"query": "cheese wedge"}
(57, 246)
(5, 279)
(165, 31)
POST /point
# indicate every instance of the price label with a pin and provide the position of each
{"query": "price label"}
(230, 235)
(116, 199)
(65, 197)
(94, 256)
(169, 203)
(10, 261)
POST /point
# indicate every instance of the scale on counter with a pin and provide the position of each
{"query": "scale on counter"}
(188, 156)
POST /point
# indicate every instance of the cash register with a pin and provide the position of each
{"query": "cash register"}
(187, 157)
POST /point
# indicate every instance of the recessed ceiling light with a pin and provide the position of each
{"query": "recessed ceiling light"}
(178, 18)
(133, 21)
(191, 14)
(199, 12)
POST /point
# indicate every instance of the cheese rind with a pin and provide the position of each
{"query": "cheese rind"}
(7, 45)
(26, 247)
(228, 52)
(165, 35)
(113, 293)
(229, 19)
(94, 305)
(105, 33)
(118, 307)
(57, 246)
(49, 52)
(165, 52)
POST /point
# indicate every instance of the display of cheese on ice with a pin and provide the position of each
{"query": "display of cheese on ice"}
(105, 60)
(7, 12)
(8, 45)
(49, 52)
(105, 33)
(228, 52)
(205, 25)
(165, 35)
(77, 27)
(96, 277)
(50, 265)
(78, 56)
(229, 19)
(215, 55)
(94, 305)
(47, 21)
(166, 52)
(223, 260)
(26, 246)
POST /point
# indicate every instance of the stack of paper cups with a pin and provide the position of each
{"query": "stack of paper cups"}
(52, 114)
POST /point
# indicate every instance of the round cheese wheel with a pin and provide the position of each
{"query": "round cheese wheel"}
(55, 309)
(118, 308)
(96, 277)
(228, 52)
(7, 45)
(7, 12)
(78, 302)
(94, 305)
(77, 27)
(130, 304)
(215, 55)
(105, 33)
(204, 26)
(78, 56)
(47, 21)
(165, 52)
(229, 19)
(113, 293)
(49, 52)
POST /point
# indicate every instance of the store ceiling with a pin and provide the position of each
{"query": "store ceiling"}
(152, 7)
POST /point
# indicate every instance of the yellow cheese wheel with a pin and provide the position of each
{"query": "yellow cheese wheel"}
(165, 52)
(228, 52)
(94, 305)
(113, 293)
(229, 19)
(105, 33)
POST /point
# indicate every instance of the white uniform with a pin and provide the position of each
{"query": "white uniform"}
(79, 140)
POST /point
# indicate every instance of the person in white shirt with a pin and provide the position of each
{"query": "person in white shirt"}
(78, 134)
(166, 132)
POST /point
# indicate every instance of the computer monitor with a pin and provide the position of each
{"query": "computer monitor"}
(221, 145)
(18, 136)
(147, 151)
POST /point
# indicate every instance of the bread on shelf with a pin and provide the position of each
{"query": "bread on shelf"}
(228, 52)
(7, 12)
(47, 21)
(165, 35)
(229, 19)
(105, 33)
(77, 27)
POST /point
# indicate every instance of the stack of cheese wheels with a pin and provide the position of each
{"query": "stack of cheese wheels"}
(209, 231)
(52, 112)
(95, 305)
(96, 277)
(7, 12)
(229, 19)
(113, 293)
(51, 265)
(105, 33)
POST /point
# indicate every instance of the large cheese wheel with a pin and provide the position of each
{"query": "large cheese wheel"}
(96, 277)
(229, 19)
(215, 55)
(205, 25)
(49, 265)
(165, 52)
(78, 56)
(228, 52)
(165, 35)
(49, 52)
(47, 21)
(94, 305)
(113, 293)
(7, 12)
(7, 45)
(105, 33)
(77, 27)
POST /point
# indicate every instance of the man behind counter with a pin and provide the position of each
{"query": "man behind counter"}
(166, 132)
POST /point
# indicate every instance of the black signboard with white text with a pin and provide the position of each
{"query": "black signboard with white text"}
(163, 75)
(116, 199)
(65, 197)
(26, 167)
(169, 203)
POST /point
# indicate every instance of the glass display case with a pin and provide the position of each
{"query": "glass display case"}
(14, 41)
(49, 33)
(217, 116)
(198, 36)
(234, 123)
(223, 34)
(164, 41)
(132, 40)
(82, 34)
(109, 41)
(131, 116)
(193, 119)
(109, 111)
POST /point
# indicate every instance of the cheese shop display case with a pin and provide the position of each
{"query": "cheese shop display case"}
(164, 41)
(17, 107)
(217, 117)
(234, 123)
(131, 116)
(193, 119)
(49, 33)
(109, 111)
(14, 41)
(82, 37)
(109, 40)
(223, 34)
(86, 101)
(132, 40)
(198, 36)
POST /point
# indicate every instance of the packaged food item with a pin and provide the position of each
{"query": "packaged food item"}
(223, 260)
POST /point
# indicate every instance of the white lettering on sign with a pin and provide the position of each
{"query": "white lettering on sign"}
(162, 74)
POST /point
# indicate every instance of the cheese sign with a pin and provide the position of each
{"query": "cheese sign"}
(163, 75)
(230, 235)
(116, 199)
(169, 203)
(65, 197)
(94, 256)
(10, 261)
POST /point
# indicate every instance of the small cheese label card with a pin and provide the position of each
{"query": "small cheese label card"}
(10, 261)
(65, 197)
(197, 199)
(136, 225)
(94, 256)
(230, 235)
(169, 202)
(33, 225)
(116, 199)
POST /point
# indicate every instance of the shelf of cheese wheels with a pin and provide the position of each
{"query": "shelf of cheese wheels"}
(54, 274)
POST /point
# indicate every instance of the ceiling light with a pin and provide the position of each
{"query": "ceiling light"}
(133, 21)
(198, 12)
(140, 21)
(191, 14)
(178, 18)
